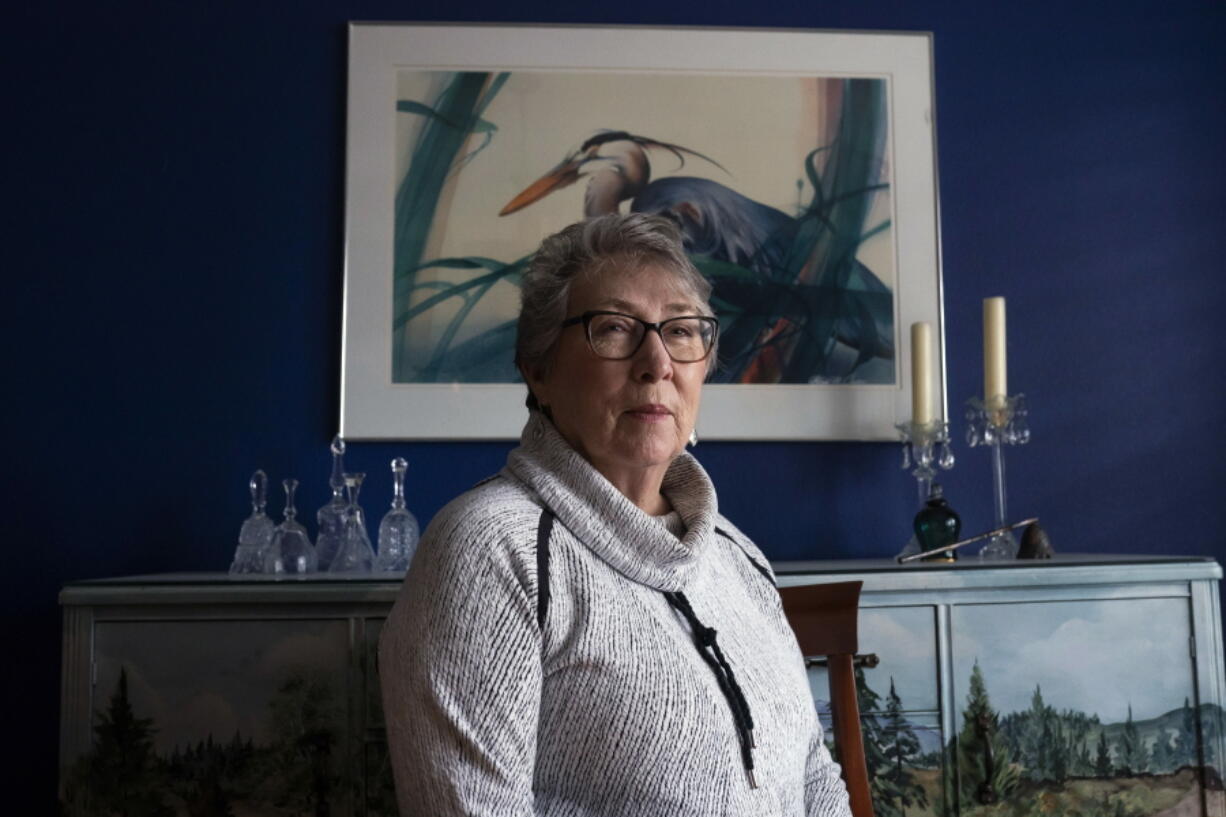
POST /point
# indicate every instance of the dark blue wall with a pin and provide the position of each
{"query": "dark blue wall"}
(173, 268)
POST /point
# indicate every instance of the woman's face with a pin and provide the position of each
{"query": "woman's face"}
(626, 417)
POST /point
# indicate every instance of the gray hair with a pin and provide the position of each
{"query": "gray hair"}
(593, 247)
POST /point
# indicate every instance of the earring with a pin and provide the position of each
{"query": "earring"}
(693, 437)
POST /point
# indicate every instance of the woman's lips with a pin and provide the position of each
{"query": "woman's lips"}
(650, 413)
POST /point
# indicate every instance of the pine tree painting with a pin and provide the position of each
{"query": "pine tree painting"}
(1134, 757)
(904, 774)
(1042, 761)
(874, 738)
(1185, 741)
(1162, 756)
(303, 755)
(297, 773)
(1102, 758)
(900, 750)
(1034, 741)
(122, 776)
(987, 774)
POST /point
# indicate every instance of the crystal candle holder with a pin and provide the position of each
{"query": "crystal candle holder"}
(925, 447)
(997, 422)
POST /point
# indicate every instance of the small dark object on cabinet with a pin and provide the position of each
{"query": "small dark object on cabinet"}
(1035, 544)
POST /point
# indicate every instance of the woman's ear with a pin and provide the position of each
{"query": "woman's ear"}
(535, 379)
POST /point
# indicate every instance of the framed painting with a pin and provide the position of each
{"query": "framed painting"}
(799, 165)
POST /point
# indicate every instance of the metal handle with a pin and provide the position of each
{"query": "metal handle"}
(868, 661)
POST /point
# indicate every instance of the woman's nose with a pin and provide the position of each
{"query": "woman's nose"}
(652, 361)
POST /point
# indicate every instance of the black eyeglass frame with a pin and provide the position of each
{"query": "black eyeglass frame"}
(658, 328)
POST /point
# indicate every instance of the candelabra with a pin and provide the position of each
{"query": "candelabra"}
(997, 422)
(924, 445)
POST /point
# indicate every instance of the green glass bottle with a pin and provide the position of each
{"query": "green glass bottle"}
(937, 525)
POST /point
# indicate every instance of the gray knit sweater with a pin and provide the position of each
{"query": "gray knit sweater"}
(608, 709)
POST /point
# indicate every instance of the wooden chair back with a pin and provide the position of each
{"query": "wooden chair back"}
(824, 618)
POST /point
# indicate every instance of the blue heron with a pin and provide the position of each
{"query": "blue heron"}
(780, 303)
(715, 220)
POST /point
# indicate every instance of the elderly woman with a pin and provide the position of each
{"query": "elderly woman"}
(583, 634)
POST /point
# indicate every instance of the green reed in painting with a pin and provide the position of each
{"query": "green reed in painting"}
(796, 304)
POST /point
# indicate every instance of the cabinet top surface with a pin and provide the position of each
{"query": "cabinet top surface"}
(782, 568)
(1060, 560)
(877, 574)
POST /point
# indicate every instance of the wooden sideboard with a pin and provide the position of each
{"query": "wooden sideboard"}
(1082, 686)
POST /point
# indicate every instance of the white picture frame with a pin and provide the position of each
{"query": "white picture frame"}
(374, 407)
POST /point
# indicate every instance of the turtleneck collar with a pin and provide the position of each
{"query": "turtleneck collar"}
(604, 519)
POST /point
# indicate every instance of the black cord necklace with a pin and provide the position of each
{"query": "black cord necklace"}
(708, 648)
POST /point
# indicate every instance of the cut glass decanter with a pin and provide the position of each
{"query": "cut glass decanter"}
(256, 533)
(937, 525)
(356, 554)
(331, 516)
(291, 550)
(398, 532)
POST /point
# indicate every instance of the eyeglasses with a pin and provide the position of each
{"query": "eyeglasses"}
(616, 336)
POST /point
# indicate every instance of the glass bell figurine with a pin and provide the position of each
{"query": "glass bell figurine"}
(398, 532)
(256, 532)
(937, 525)
(355, 554)
(291, 550)
(331, 517)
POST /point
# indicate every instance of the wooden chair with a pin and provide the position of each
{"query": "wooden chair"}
(824, 617)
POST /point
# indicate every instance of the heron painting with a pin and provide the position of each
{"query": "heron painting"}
(781, 187)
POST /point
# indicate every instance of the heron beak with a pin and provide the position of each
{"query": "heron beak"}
(561, 176)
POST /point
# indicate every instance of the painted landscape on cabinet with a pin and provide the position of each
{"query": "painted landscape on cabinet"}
(1082, 709)
(203, 719)
(1061, 709)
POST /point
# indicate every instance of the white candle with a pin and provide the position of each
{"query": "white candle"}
(995, 366)
(921, 373)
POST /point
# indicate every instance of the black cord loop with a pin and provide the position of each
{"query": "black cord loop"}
(708, 648)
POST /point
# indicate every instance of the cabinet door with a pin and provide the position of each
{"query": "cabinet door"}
(899, 710)
(380, 792)
(1079, 707)
(218, 717)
